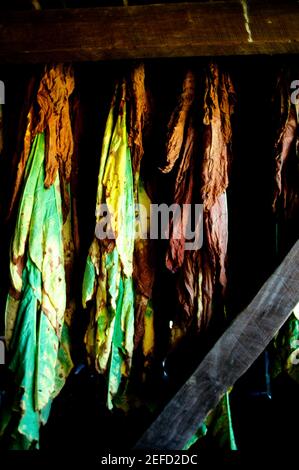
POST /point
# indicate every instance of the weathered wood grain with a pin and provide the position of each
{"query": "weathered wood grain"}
(149, 31)
(227, 361)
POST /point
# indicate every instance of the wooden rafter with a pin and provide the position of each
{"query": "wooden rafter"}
(149, 31)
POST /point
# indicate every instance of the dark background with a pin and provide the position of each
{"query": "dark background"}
(79, 419)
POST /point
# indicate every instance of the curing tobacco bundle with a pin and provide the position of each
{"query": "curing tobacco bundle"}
(219, 103)
(201, 176)
(183, 134)
(108, 273)
(118, 275)
(40, 304)
(201, 159)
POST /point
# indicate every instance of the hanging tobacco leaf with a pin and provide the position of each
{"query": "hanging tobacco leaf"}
(178, 124)
(108, 275)
(40, 307)
(218, 107)
(36, 304)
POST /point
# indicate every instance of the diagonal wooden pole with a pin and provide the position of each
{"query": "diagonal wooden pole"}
(235, 351)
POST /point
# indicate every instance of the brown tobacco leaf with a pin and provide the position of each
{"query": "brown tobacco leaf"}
(227, 104)
(143, 267)
(204, 271)
(141, 302)
(178, 123)
(56, 86)
(139, 111)
(143, 271)
(214, 258)
(217, 237)
(286, 191)
(188, 283)
(183, 191)
(143, 275)
(283, 150)
(202, 276)
(218, 107)
(208, 284)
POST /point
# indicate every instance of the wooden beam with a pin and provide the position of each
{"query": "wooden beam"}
(149, 31)
(227, 361)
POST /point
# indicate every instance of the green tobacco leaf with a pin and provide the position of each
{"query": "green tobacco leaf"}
(34, 321)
